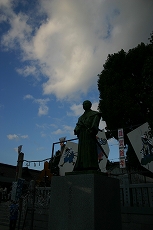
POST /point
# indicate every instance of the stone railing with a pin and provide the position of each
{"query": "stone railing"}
(136, 195)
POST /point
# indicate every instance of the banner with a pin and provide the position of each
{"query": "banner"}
(121, 148)
(122, 163)
(142, 142)
(68, 158)
(102, 159)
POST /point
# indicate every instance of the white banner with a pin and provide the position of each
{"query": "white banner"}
(102, 159)
(142, 143)
(68, 158)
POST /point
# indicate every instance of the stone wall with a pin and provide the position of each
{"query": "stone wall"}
(134, 221)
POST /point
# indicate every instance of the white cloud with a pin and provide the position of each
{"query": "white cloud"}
(12, 136)
(43, 108)
(24, 136)
(3, 18)
(43, 134)
(16, 137)
(43, 126)
(4, 3)
(77, 110)
(58, 131)
(28, 70)
(28, 96)
(66, 129)
(70, 47)
(19, 32)
(95, 106)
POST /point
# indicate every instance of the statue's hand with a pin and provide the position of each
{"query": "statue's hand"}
(76, 133)
(92, 131)
(89, 131)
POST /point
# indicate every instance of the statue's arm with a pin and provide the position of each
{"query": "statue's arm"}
(95, 123)
(77, 130)
(78, 127)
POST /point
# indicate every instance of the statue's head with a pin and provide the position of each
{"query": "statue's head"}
(87, 105)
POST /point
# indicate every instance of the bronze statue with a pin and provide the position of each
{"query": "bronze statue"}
(86, 130)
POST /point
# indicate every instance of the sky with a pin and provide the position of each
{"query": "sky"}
(50, 55)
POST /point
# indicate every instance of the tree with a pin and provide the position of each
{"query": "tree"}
(126, 90)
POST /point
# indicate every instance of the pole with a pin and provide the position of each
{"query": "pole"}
(20, 163)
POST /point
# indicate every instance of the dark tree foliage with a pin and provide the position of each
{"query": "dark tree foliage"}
(126, 90)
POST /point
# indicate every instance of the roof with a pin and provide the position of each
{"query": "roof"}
(8, 173)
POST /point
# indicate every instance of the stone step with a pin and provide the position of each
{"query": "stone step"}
(5, 216)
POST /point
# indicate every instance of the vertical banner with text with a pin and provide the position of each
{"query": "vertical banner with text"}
(121, 148)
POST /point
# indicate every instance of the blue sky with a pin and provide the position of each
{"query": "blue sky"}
(50, 54)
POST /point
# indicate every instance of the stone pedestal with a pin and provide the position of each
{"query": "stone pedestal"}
(85, 202)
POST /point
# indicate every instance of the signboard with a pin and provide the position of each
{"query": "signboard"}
(68, 158)
(122, 163)
(102, 159)
(121, 148)
(142, 143)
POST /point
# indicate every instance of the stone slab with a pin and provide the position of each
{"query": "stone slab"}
(85, 202)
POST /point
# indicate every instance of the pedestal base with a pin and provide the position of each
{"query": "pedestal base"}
(85, 202)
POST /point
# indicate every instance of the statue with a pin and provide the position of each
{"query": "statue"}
(86, 130)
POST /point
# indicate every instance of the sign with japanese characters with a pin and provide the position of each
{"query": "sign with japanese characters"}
(122, 163)
(120, 133)
(121, 148)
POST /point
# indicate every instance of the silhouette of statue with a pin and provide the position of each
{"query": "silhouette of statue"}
(86, 130)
